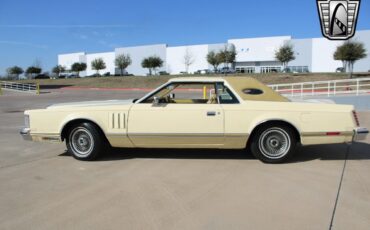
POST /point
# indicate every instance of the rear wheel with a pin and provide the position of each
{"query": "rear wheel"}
(84, 141)
(273, 143)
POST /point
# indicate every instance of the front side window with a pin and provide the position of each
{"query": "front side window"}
(185, 93)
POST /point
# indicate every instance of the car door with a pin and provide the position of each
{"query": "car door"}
(194, 125)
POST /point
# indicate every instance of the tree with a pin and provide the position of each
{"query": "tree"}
(349, 53)
(33, 70)
(188, 59)
(214, 59)
(228, 54)
(339, 56)
(78, 67)
(152, 63)
(98, 64)
(122, 61)
(58, 69)
(15, 70)
(285, 54)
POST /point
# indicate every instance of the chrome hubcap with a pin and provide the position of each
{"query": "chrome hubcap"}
(274, 143)
(81, 142)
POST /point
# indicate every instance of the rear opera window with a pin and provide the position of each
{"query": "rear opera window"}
(252, 91)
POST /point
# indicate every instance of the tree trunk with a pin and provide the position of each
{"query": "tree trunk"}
(150, 71)
(344, 66)
(121, 71)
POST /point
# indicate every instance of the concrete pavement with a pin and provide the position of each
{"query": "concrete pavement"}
(43, 188)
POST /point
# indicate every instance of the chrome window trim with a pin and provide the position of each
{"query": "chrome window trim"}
(140, 101)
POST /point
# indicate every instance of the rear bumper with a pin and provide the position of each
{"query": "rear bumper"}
(360, 134)
(25, 133)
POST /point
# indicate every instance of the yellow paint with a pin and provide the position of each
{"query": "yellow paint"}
(147, 125)
(37, 88)
(204, 92)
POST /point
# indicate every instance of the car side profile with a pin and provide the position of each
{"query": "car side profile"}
(211, 112)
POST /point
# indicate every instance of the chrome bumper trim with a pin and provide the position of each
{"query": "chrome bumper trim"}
(25, 132)
(360, 134)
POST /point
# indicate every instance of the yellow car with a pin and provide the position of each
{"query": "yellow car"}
(211, 112)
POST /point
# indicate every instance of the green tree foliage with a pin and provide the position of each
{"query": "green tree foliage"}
(152, 63)
(285, 54)
(228, 54)
(78, 67)
(33, 70)
(214, 59)
(98, 64)
(15, 70)
(349, 53)
(58, 69)
(122, 61)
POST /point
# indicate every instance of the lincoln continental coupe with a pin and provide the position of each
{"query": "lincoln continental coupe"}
(213, 113)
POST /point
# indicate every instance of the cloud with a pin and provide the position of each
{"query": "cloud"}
(23, 44)
(40, 26)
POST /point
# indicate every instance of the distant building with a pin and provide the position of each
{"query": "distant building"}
(254, 55)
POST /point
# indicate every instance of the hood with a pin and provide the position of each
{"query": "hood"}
(91, 103)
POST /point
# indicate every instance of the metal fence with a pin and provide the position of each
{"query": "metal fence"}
(23, 87)
(328, 88)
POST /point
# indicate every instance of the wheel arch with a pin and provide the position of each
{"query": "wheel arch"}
(274, 122)
(71, 123)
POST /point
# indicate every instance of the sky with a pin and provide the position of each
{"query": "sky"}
(36, 31)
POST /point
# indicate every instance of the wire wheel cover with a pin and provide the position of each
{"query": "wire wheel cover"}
(274, 143)
(82, 141)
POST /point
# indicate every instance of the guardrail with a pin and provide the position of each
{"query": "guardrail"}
(23, 87)
(328, 88)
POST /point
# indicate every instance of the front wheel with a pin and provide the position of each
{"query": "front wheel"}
(274, 143)
(84, 142)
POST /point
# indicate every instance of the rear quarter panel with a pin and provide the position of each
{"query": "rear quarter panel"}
(312, 121)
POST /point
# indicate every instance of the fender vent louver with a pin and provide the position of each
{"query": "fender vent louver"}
(117, 121)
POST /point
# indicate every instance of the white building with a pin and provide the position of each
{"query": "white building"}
(196, 55)
(138, 53)
(254, 55)
(108, 58)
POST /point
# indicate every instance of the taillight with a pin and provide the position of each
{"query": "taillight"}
(356, 118)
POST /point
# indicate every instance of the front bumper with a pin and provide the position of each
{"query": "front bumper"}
(360, 134)
(26, 134)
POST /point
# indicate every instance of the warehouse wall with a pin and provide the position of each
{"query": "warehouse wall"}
(108, 58)
(138, 53)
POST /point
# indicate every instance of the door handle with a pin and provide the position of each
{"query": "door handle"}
(211, 113)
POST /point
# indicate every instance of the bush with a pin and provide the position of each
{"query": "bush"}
(163, 73)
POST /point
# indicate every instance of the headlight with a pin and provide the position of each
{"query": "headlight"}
(27, 121)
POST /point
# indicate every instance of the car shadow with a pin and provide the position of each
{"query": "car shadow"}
(46, 87)
(357, 151)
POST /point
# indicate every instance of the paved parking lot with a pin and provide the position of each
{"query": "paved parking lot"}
(41, 187)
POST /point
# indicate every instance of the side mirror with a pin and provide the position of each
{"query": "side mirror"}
(155, 100)
(172, 96)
